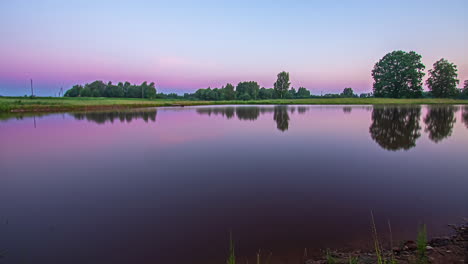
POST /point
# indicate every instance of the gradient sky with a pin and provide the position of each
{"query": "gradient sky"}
(186, 45)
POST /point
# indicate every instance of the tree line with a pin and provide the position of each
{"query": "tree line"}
(398, 74)
(101, 89)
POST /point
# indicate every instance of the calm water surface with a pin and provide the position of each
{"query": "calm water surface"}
(166, 185)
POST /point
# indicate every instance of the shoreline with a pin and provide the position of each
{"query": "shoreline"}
(451, 248)
(63, 104)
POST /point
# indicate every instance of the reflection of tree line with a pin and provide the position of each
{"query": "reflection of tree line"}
(251, 113)
(122, 116)
(395, 128)
(465, 116)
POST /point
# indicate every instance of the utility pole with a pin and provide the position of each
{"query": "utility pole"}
(32, 89)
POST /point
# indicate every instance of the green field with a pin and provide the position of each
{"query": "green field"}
(51, 104)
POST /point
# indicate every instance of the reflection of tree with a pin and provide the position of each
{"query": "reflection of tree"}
(395, 128)
(229, 112)
(439, 122)
(465, 116)
(248, 113)
(347, 109)
(302, 109)
(280, 113)
(103, 117)
(223, 111)
(281, 117)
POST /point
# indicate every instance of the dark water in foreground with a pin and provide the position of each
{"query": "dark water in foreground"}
(167, 185)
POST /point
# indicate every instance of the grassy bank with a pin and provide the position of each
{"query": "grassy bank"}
(51, 104)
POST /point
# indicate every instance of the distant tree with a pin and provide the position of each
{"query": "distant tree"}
(126, 87)
(292, 92)
(86, 92)
(134, 91)
(214, 94)
(172, 96)
(395, 128)
(347, 92)
(398, 75)
(282, 83)
(150, 91)
(245, 97)
(442, 79)
(465, 89)
(74, 91)
(332, 95)
(439, 122)
(266, 93)
(250, 88)
(229, 93)
(303, 93)
(114, 90)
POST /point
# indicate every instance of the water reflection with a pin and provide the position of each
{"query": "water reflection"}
(465, 116)
(122, 116)
(302, 109)
(151, 185)
(347, 109)
(228, 112)
(395, 128)
(252, 113)
(248, 113)
(439, 122)
(281, 117)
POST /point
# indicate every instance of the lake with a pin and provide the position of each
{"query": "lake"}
(168, 185)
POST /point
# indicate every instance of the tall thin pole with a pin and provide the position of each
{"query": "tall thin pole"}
(32, 89)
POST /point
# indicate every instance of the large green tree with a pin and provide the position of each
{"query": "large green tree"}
(398, 75)
(442, 79)
(282, 83)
